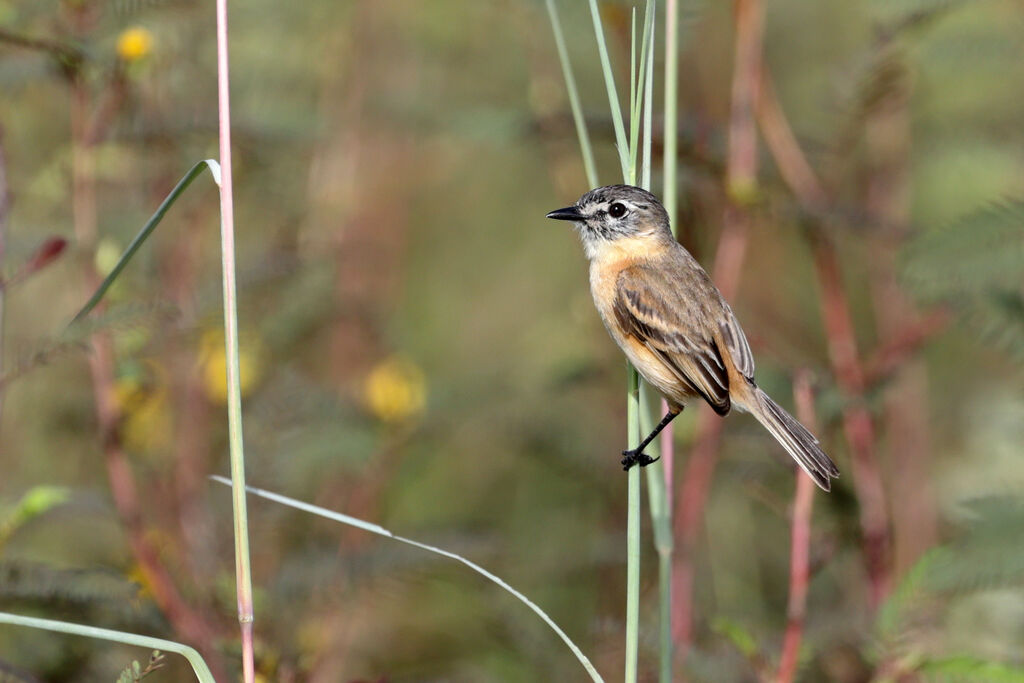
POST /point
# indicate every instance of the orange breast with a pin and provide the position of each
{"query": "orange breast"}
(603, 275)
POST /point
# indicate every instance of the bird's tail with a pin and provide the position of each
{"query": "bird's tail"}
(797, 441)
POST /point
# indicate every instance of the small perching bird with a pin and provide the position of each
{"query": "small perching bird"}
(670, 320)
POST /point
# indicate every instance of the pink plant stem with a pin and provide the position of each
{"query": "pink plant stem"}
(799, 554)
(243, 580)
(842, 344)
(741, 180)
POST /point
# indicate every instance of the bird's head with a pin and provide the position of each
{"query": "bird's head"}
(616, 212)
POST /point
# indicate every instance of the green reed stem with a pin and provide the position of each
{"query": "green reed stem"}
(574, 98)
(621, 141)
(671, 104)
(628, 149)
(633, 530)
(659, 483)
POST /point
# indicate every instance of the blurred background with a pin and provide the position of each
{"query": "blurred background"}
(419, 347)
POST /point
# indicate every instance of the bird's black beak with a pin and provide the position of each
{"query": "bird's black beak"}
(569, 213)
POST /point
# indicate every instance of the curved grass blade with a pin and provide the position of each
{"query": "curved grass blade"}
(613, 96)
(146, 231)
(574, 98)
(381, 531)
(199, 666)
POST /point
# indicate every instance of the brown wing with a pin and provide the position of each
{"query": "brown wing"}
(736, 344)
(652, 309)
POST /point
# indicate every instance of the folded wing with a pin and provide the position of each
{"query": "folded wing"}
(651, 308)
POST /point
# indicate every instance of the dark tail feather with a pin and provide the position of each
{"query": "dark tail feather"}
(797, 441)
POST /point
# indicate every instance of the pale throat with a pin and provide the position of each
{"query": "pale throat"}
(642, 246)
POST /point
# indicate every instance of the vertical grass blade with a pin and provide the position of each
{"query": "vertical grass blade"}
(632, 74)
(645, 80)
(613, 97)
(574, 98)
(657, 484)
(643, 96)
(665, 541)
(647, 72)
(243, 572)
(633, 531)
(627, 158)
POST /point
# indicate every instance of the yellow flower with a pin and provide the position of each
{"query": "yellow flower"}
(395, 390)
(146, 421)
(134, 44)
(108, 253)
(214, 364)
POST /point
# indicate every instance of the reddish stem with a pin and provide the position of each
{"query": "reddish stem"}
(857, 423)
(888, 357)
(799, 554)
(689, 514)
(842, 345)
(186, 621)
(741, 178)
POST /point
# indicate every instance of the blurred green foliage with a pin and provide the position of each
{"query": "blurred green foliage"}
(424, 353)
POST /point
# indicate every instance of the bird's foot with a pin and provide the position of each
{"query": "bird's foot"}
(636, 458)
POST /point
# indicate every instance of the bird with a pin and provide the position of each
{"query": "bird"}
(662, 309)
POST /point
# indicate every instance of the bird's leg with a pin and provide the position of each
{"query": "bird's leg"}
(637, 456)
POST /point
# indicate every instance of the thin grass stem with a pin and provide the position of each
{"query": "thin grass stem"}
(664, 540)
(589, 167)
(243, 571)
(632, 77)
(647, 70)
(627, 150)
(613, 98)
(633, 530)
(670, 135)
(643, 97)
(633, 383)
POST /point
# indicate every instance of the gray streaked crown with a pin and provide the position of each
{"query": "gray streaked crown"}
(644, 213)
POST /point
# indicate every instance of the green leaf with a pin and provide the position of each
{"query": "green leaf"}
(968, 669)
(36, 501)
(736, 634)
(977, 264)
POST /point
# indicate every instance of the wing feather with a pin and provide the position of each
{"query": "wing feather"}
(642, 311)
(737, 345)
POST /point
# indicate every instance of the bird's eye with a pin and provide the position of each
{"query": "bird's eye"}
(617, 210)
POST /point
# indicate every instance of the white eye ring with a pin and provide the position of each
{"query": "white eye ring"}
(617, 210)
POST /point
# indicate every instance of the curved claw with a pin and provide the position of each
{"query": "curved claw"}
(633, 458)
